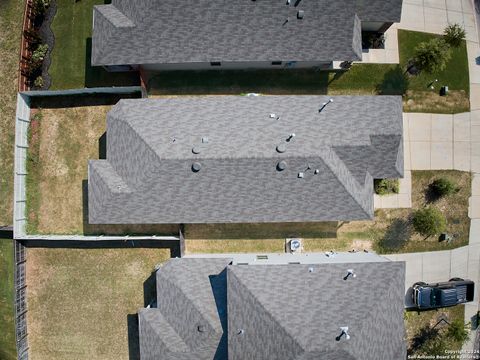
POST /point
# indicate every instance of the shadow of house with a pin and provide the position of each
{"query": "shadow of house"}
(150, 290)
(395, 82)
(79, 100)
(397, 235)
(133, 339)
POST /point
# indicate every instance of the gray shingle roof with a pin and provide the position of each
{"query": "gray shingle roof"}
(188, 31)
(285, 311)
(148, 177)
(379, 10)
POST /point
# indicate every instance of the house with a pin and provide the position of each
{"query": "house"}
(204, 34)
(245, 159)
(276, 306)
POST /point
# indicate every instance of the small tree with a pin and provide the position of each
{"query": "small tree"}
(432, 56)
(38, 83)
(454, 35)
(443, 187)
(39, 7)
(429, 221)
(37, 58)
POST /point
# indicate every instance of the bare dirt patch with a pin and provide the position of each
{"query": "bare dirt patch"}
(456, 101)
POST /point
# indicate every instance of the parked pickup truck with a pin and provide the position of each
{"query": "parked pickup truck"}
(443, 294)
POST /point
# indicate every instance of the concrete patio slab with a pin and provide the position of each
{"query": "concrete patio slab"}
(420, 126)
(420, 155)
(475, 96)
(406, 153)
(441, 155)
(467, 6)
(438, 4)
(442, 127)
(412, 17)
(476, 185)
(475, 118)
(474, 231)
(461, 127)
(435, 20)
(461, 155)
(474, 207)
(455, 5)
(475, 156)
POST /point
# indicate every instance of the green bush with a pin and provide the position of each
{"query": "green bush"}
(456, 331)
(443, 187)
(39, 7)
(454, 35)
(386, 186)
(429, 221)
(432, 56)
(38, 83)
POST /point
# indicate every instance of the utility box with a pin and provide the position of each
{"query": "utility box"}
(444, 91)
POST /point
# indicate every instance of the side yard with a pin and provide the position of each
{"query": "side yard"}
(7, 337)
(82, 302)
(70, 67)
(361, 79)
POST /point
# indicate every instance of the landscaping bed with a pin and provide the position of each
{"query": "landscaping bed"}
(392, 229)
(82, 302)
(423, 327)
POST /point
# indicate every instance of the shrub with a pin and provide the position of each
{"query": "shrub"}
(443, 187)
(39, 54)
(39, 7)
(386, 186)
(456, 331)
(38, 83)
(454, 35)
(429, 221)
(432, 56)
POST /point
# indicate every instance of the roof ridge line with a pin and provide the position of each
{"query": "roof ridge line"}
(266, 311)
(340, 176)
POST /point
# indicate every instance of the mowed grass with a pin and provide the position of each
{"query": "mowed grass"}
(7, 325)
(71, 67)
(79, 301)
(361, 79)
(61, 143)
(11, 15)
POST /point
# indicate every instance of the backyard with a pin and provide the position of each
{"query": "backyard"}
(361, 79)
(82, 302)
(70, 67)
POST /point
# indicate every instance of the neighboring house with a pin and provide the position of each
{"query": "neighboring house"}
(233, 307)
(204, 34)
(245, 159)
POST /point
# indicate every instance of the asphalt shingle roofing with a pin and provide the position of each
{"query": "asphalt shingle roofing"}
(275, 311)
(189, 31)
(155, 147)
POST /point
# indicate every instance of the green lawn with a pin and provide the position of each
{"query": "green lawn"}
(70, 68)
(7, 333)
(361, 79)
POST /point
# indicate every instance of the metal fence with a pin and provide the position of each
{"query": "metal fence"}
(22, 123)
(20, 257)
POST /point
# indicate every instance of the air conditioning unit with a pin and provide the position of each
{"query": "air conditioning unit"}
(293, 245)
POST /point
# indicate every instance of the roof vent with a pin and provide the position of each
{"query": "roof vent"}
(201, 328)
(316, 171)
(204, 140)
(282, 165)
(196, 166)
(240, 332)
(310, 269)
(350, 273)
(281, 148)
(301, 175)
(196, 150)
(300, 14)
(344, 331)
(273, 116)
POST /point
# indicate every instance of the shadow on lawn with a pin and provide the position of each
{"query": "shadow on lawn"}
(395, 82)
(133, 337)
(97, 76)
(397, 235)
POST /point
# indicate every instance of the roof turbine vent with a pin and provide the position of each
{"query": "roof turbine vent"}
(196, 166)
(344, 332)
(282, 165)
(350, 273)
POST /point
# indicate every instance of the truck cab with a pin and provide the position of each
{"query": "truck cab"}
(442, 294)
